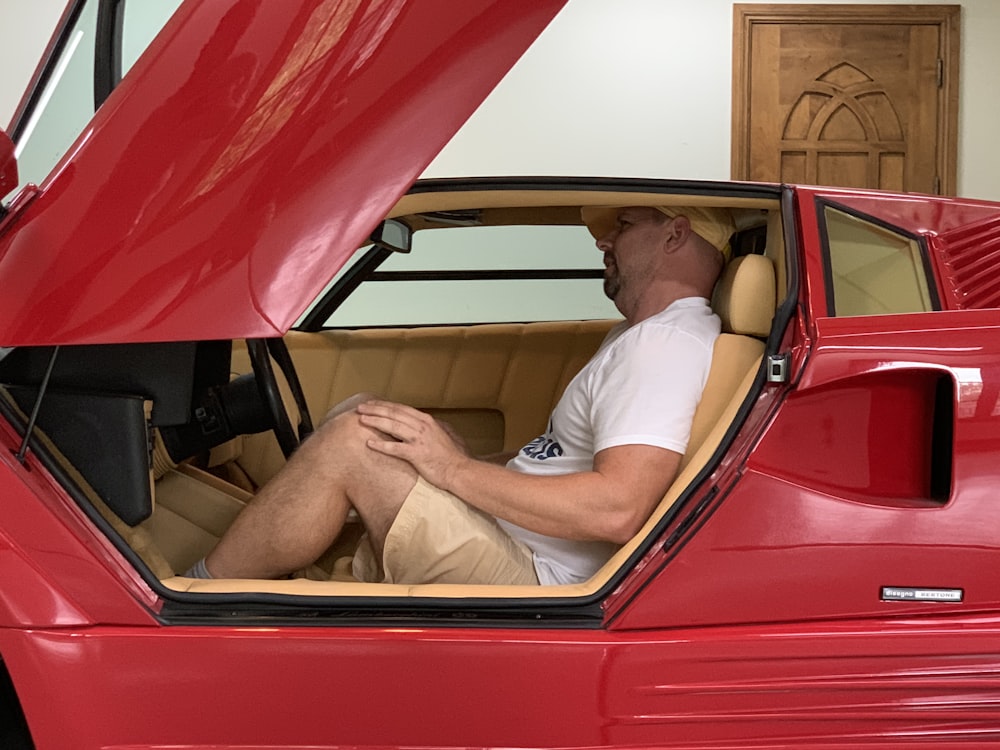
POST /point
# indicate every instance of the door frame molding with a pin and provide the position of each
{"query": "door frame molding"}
(946, 17)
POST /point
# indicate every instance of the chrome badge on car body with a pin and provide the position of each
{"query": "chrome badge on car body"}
(917, 594)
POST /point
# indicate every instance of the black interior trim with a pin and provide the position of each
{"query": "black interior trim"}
(14, 731)
(107, 437)
(160, 372)
(107, 49)
(943, 441)
(599, 184)
(499, 275)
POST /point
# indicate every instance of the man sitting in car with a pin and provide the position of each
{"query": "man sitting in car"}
(558, 509)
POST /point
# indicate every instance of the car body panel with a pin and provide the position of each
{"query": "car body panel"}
(59, 570)
(881, 683)
(244, 157)
(855, 511)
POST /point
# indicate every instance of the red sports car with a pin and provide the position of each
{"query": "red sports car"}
(216, 233)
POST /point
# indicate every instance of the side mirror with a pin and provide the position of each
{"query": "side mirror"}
(393, 235)
(8, 165)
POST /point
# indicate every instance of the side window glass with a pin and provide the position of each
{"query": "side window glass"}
(66, 102)
(483, 274)
(141, 22)
(873, 270)
(64, 106)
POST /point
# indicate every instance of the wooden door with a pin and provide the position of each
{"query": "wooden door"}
(859, 96)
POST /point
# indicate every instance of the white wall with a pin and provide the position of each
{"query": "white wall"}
(628, 88)
(642, 88)
(26, 27)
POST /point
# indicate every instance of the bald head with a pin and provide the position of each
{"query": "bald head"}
(707, 261)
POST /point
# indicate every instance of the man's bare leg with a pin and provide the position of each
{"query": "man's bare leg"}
(302, 510)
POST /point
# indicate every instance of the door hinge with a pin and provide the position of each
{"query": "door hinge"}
(940, 73)
(777, 368)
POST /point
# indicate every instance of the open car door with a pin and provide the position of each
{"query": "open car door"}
(244, 156)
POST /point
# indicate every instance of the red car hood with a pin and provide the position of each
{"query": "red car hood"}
(242, 160)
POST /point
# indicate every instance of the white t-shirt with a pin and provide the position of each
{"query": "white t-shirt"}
(640, 388)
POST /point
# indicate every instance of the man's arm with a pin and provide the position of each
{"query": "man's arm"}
(610, 503)
(501, 459)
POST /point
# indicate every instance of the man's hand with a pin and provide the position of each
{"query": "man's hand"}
(455, 436)
(428, 445)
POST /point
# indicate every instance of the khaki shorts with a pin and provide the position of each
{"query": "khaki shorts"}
(437, 538)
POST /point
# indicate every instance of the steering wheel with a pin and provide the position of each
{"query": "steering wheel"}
(261, 351)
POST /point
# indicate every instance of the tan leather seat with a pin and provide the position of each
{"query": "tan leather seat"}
(745, 300)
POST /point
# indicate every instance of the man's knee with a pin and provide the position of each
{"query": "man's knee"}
(348, 405)
(342, 438)
(345, 440)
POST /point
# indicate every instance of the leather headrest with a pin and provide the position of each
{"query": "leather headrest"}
(744, 296)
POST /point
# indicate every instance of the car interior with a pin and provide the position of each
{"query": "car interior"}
(162, 444)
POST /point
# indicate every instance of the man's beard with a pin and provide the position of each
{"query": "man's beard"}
(612, 285)
(612, 282)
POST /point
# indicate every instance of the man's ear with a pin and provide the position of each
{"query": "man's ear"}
(677, 233)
